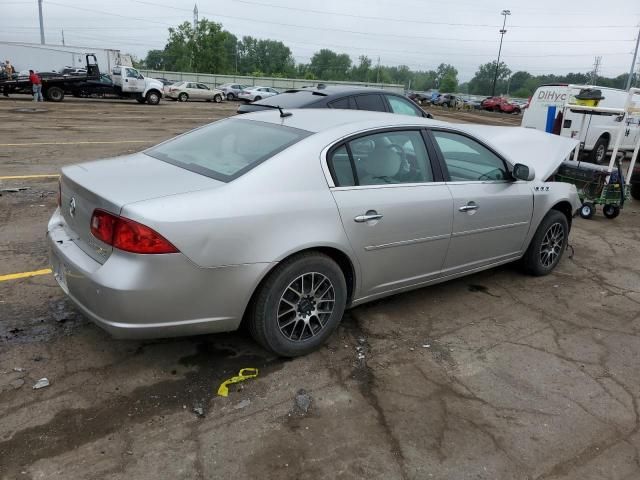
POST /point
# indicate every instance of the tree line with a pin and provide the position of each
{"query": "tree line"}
(210, 49)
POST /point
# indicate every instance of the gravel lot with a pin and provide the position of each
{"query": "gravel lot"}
(493, 376)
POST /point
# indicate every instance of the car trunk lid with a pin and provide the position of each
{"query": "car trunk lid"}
(111, 184)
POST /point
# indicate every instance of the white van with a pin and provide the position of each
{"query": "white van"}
(598, 135)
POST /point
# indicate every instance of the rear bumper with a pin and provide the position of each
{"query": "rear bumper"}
(150, 296)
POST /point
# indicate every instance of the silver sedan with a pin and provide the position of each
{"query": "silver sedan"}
(283, 220)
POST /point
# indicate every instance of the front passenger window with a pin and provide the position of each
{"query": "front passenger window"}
(468, 160)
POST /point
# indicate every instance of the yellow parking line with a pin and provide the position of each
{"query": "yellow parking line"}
(26, 177)
(15, 276)
(70, 143)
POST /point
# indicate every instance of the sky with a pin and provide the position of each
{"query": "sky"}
(543, 36)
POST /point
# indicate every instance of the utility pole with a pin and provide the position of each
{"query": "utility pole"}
(63, 37)
(633, 62)
(502, 32)
(596, 68)
(195, 29)
(41, 22)
(195, 17)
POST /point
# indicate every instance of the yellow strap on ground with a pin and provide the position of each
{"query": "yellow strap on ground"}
(26, 177)
(16, 276)
(244, 374)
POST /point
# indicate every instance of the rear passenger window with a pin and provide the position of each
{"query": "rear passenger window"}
(370, 102)
(340, 166)
(344, 103)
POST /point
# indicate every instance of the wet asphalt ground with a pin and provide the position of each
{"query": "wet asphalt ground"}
(493, 376)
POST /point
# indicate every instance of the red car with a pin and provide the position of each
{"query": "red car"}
(500, 104)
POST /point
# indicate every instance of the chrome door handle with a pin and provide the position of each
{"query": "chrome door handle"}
(469, 207)
(370, 215)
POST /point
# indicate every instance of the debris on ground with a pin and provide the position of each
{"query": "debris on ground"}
(18, 369)
(242, 404)
(303, 401)
(244, 374)
(198, 410)
(43, 382)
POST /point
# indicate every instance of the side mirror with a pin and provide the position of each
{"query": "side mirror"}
(522, 172)
(140, 77)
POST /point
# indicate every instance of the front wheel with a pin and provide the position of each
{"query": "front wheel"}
(587, 210)
(299, 305)
(153, 98)
(183, 97)
(599, 151)
(230, 96)
(548, 244)
(611, 211)
(217, 98)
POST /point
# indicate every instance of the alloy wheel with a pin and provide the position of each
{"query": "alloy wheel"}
(306, 306)
(551, 246)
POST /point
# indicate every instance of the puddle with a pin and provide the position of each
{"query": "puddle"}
(217, 357)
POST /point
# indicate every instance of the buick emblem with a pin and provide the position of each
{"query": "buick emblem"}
(72, 206)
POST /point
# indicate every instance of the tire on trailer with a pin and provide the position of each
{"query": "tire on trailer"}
(54, 94)
(611, 211)
(587, 210)
(153, 97)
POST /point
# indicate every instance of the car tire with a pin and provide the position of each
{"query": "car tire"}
(257, 98)
(587, 210)
(153, 98)
(635, 190)
(183, 97)
(547, 245)
(599, 152)
(217, 98)
(230, 96)
(275, 319)
(611, 211)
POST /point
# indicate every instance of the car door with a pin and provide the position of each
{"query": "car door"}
(394, 206)
(491, 211)
(205, 93)
(193, 91)
(131, 82)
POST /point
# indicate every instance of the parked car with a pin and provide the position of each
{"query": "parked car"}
(254, 94)
(345, 97)
(500, 104)
(99, 87)
(450, 101)
(232, 90)
(279, 218)
(185, 91)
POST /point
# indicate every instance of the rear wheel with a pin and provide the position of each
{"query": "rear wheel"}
(257, 98)
(55, 94)
(611, 211)
(548, 244)
(217, 98)
(599, 151)
(183, 97)
(299, 305)
(230, 96)
(587, 210)
(153, 98)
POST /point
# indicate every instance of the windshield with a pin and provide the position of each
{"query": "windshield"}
(227, 149)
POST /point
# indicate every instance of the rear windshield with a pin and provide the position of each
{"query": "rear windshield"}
(227, 149)
(292, 100)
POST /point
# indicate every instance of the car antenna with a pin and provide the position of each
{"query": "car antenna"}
(284, 114)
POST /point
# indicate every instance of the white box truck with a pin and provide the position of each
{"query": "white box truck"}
(50, 58)
(598, 133)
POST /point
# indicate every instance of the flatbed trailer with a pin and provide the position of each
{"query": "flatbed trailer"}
(54, 85)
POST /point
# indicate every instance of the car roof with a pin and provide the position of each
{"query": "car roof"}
(302, 97)
(317, 120)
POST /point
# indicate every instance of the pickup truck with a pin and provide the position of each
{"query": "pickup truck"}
(129, 83)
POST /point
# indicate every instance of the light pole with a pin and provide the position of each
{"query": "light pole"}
(502, 32)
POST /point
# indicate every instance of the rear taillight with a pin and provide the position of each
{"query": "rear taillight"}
(128, 235)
